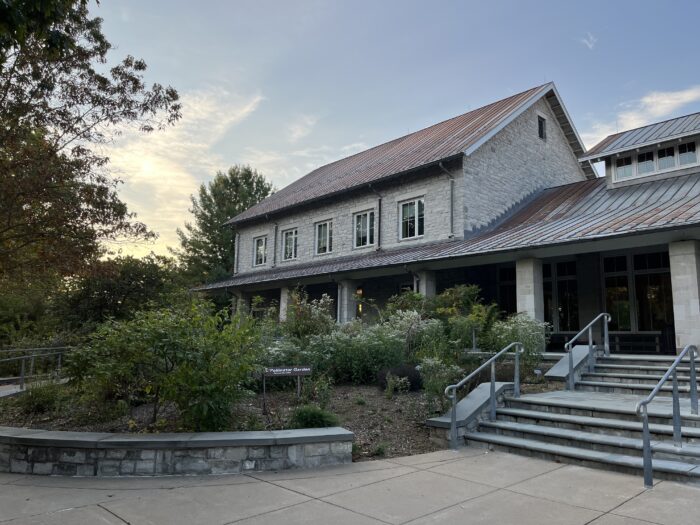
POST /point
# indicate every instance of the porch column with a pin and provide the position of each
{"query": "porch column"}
(529, 291)
(284, 301)
(426, 283)
(240, 302)
(347, 305)
(685, 287)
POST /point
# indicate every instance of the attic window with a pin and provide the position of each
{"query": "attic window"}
(623, 168)
(542, 127)
(686, 154)
(667, 159)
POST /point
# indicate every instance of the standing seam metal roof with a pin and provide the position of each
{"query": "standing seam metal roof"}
(581, 211)
(441, 141)
(645, 136)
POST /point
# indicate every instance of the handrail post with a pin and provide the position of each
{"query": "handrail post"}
(492, 412)
(570, 385)
(516, 374)
(21, 374)
(646, 453)
(453, 420)
(591, 359)
(677, 440)
(606, 335)
(693, 383)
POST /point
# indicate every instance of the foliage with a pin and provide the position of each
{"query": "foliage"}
(524, 329)
(319, 390)
(206, 246)
(310, 416)
(437, 375)
(405, 371)
(42, 398)
(396, 385)
(116, 288)
(185, 355)
(59, 105)
(408, 301)
(307, 318)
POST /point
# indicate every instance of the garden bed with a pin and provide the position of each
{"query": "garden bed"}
(383, 427)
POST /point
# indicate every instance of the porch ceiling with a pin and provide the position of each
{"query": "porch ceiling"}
(574, 213)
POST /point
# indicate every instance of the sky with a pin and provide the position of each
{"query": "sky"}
(286, 86)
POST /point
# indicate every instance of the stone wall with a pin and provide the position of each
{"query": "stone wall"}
(515, 164)
(434, 186)
(26, 451)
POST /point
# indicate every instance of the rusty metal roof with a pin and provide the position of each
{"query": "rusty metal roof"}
(423, 148)
(582, 211)
(645, 136)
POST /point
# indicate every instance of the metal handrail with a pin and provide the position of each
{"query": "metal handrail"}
(642, 410)
(451, 390)
(32, 358)
(591, 358)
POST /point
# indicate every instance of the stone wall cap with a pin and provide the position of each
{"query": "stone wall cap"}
(184, 440)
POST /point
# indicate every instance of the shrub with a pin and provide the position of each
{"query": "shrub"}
(407, 372)
(310, 416)
(42, 398)
(185, 355)
(306, 318)
(396, 385)
(522, 328)
(319, 390)
(438, 375)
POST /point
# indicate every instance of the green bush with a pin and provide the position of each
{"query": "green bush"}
(310, 416)
(407, 372)
(187, 355)
(524, 329)
(42, 398)
(437, 375)
(306, 318)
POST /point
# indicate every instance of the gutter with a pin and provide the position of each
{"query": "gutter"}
(452, 199)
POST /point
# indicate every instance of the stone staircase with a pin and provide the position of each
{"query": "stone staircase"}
(596, 425)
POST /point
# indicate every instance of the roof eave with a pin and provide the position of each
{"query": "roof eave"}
(597, 157)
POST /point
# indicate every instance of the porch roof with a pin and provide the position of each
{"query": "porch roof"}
(581, 211)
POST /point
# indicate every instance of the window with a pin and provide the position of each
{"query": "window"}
(686, 154)
(542, 128)
(289, 245)
(623, 168)
(412, 220)
(260, 256)
(364, 229)
(667, 159)
(645, 163)
(324, 237)
(560, 294)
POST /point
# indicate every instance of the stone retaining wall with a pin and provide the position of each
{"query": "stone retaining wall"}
(28, 451)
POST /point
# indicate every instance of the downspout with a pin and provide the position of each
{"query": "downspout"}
(452, 199)
(378, 220)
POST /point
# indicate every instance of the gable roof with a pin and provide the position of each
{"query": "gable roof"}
(645, 136)
(582, 211)
(443, 141)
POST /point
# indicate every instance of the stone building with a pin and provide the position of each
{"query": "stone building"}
(504, 197)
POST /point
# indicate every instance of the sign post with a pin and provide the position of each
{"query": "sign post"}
(284, 371)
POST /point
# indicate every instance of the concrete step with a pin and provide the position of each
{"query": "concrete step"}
(657, 370)
(602, 425)
(617, 377)
(602, 442)
(623, 410)
(643, 360)
(629, 388)
(663, 468)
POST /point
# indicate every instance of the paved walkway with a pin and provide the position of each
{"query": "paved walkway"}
(470, 486)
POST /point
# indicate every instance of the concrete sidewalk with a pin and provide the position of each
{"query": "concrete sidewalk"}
(469, 486)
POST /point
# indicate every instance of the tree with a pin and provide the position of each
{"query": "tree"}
(58, 107)
(207, 246)
(117, 289)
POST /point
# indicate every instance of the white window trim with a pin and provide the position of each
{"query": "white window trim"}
(354, 229)
(400, 216)
(329, 236)
(676, 157)
(255, 250)
(296, 241)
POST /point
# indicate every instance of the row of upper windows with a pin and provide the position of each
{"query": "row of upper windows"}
(650, 162)
(411, 226)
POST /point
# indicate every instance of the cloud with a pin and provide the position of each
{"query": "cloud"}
(652, 107)
(162, 169)
(589, 41)
(301, 127)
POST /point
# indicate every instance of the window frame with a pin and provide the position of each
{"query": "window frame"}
(415, 201)
(329, 236)
(262, 238)
(657, 170)
(542, 127)
(295, 248)
(371, 231)
(695, 151)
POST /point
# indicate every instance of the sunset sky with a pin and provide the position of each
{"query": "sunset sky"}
(290, 85)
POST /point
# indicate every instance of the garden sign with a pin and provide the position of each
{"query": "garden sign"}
(284, 371)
